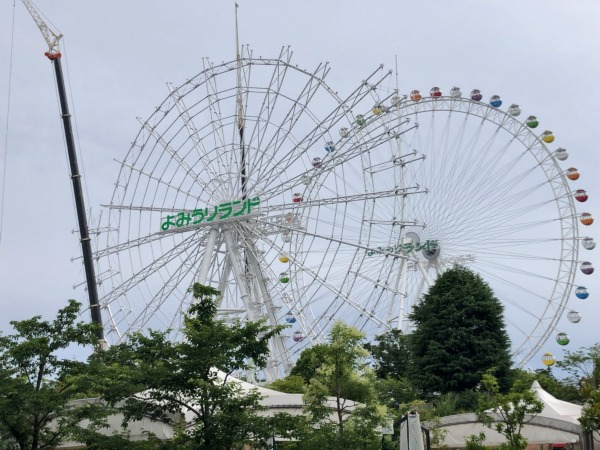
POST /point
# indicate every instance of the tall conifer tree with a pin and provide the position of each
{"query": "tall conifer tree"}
(460, 335)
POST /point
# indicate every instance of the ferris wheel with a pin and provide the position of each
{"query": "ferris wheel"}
(241, 180)
(304, 207)
(499, 202)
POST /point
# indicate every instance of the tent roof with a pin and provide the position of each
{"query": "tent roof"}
(555, 408)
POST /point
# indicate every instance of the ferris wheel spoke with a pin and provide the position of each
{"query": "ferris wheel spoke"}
(299, 106)
(473, 171)
(295, 303)
(338, 295)
(500, 243)
(502, 211)
(113, 329)
(339, 112)
(504, 268)
(505, 223)
(154, 307)
(225, 158)
(525, 309)
(192, 131)
(271, 143)
(502, 231)
(329, 165)
(502, 196)
(174, 155)
(376, 138)
(378, 294)
(341, 200)
(138, 208)
(314, 272)
(154, 178)
(505, 194)
(493, 251)
(130, 245)
(478, 155)
(213, 99)
(367, 88)
(150, 269)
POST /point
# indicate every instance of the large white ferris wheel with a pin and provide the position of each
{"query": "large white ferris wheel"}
(304, 207)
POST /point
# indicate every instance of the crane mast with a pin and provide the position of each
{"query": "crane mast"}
(54, 55)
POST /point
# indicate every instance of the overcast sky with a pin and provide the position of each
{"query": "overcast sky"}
(543, 54)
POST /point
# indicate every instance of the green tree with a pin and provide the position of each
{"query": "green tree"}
(292, 384)
(392, 393)
(37, 382)
(583, 367)
(390, 354)
(590, 418)
(309, 361)
(459, 335)
(475, 441)
(391, 357)
(179, 383)
(507, 413)
(342, 379)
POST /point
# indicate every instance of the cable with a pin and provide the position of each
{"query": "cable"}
(5, 157)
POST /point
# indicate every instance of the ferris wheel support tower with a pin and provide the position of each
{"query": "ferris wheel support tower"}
(54, 55)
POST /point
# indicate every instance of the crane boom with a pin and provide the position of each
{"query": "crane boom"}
(50, 36)
(54, 55)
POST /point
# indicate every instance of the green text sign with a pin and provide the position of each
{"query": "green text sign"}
(236, 208)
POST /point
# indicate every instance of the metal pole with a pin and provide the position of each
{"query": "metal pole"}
(86, 246)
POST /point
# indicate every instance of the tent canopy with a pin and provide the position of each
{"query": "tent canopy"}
(555, 408)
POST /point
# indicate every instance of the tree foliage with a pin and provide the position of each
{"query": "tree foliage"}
(583, 366)
(475, 441)
(507, 413)
(390, 354)
(391, 357)
(590, 419)
(37, 383)
(186, 384)
(460, 334)
(393, 393)
(292, 384)
(342, 379)
(309, 361)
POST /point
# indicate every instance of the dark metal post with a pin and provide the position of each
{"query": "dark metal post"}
(86, 246)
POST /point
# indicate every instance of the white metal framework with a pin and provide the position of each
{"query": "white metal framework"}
(304, 207)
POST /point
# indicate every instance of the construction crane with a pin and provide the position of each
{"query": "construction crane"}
(54, 55)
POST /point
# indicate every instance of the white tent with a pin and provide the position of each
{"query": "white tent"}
(557, 423)
(555, 408)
